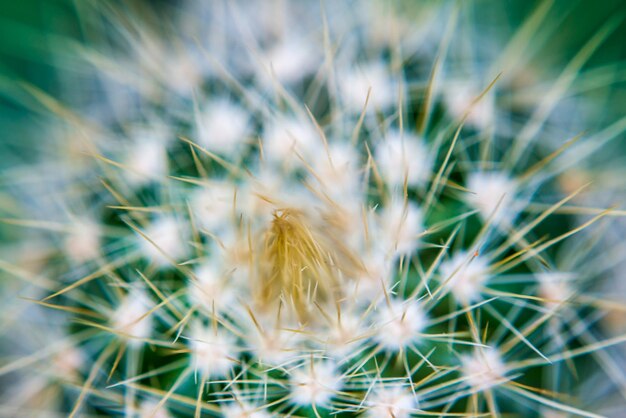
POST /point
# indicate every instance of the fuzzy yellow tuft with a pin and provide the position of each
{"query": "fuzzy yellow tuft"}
(298, 264)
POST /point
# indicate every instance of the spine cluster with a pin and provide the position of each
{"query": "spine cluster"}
(307, 214)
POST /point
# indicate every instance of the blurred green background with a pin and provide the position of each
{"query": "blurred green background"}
(30, 31)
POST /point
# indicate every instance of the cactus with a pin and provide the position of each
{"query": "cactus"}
(304, 211)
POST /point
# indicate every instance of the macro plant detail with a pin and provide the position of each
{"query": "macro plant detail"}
(261, 214)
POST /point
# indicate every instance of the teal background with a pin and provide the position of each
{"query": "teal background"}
(26, 53)
(28, 29)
